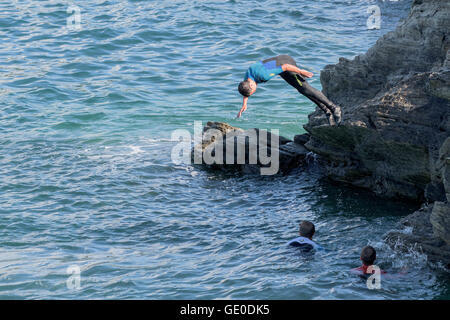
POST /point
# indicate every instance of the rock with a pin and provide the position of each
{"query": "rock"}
(443, 166)
(439, 82)
(396, 109)
(420, 238)
(251, 151)
(435, 192)
(440, 216)
(430, 225)
(440, 220)
(301, 138)
(446, 178)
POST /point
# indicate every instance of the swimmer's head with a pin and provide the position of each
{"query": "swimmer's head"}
(247, 87)
(368, 255)
(307, 229)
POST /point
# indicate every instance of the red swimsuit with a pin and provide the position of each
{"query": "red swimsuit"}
(363, 270)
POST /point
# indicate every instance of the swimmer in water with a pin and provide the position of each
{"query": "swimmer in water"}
(304, 242)
(285, 66)
(368, 257)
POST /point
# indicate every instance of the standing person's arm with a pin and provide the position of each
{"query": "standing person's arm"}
(292, 68)
(244, 107)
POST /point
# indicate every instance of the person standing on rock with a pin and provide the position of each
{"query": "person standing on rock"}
(286, 67)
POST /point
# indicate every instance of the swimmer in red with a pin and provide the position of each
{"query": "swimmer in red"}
(368, 257)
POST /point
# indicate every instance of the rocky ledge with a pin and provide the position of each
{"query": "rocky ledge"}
(394, 137)
(251, 151)
(396, 111)
(429, 227)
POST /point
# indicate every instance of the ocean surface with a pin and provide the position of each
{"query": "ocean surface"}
(93, 207)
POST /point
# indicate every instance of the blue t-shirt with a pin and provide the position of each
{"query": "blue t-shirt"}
(262, 72)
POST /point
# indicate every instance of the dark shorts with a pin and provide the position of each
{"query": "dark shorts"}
(292, 78)
(281, 59)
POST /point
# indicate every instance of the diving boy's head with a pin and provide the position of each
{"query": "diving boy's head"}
(247, 87)
(307, 229)
(368, 255)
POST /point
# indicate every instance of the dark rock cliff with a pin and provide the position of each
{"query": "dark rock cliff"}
(396, 109)
(395, 134)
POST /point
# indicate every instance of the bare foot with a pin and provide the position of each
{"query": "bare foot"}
(337, 114)
(330, 118)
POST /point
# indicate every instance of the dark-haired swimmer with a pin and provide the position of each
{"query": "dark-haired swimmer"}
(368, 257)
(304, 242)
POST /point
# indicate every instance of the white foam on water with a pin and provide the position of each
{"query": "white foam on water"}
(153, 141)
(413, 257)
(135, 149)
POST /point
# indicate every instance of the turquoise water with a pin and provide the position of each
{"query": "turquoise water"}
(86, 177)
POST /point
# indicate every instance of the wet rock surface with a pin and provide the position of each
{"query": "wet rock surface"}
(250, 151)
(417, 235)
(395, 105)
